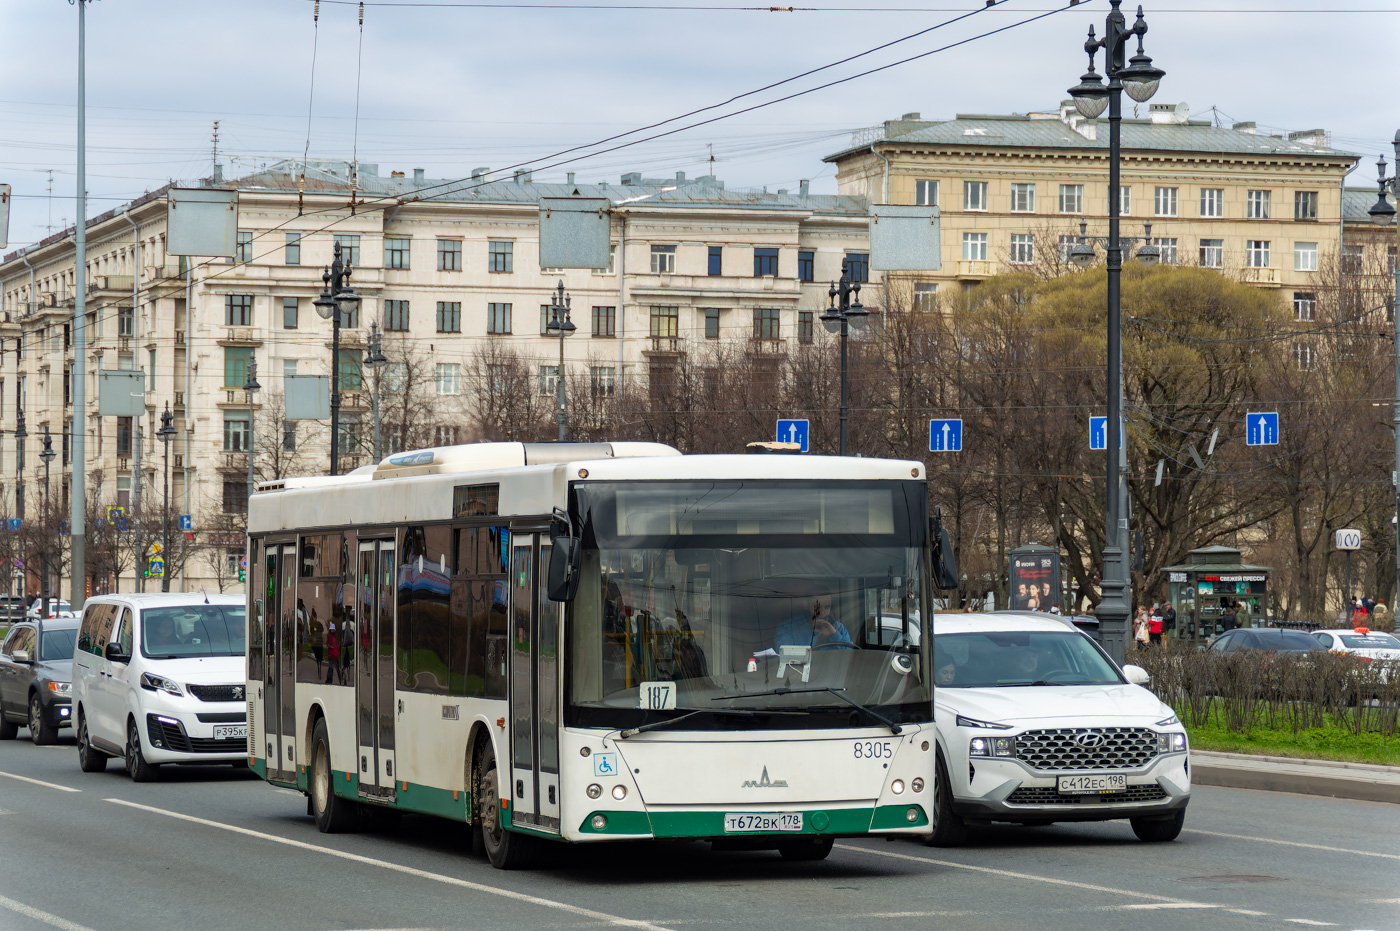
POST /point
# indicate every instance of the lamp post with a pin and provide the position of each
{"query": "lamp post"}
(1082, 253)
(47, 455)
(374, 358)
(166, 434)
(21, 435)
(1140, 79)
(1383, 214)
(845, 312)
(250, 386)
(560, 323)
(337, 301)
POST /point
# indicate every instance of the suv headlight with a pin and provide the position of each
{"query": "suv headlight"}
(62, 688)
(1169, 721)
(986, 725)
(156, 683)
(992, 746)
(1173, 742)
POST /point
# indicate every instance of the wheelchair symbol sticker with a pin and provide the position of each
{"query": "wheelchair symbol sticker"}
(604, 764)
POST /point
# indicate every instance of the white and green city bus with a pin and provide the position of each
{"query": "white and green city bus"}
(592, 642)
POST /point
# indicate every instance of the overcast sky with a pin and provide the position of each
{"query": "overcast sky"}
(453, 86)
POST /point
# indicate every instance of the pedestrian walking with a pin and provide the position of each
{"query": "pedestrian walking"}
(1140, 625)
(1168, 620)
(1229, 615)
(1154, 626)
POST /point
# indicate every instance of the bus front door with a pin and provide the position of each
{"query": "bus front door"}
(279, 665)
(374, 669)
(534, 687)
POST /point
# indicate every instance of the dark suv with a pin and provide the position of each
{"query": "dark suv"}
(36, 676)
(12, 608)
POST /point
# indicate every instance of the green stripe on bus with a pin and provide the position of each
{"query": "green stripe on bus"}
(711, 823)
(897, 816)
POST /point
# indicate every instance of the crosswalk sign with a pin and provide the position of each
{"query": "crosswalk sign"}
(156, 567)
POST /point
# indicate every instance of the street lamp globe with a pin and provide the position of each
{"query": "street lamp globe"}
(47, 452)
(1090, 95)
(167, 426)
(1081, 255)
(831, 320)
(1381, 211)
(325, 301)
(856, 314)
(1141, 78)
(1148, 256)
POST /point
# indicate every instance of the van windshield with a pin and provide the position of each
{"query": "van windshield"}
(193, 630)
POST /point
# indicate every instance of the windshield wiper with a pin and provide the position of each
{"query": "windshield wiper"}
(894, 728)
(656, 725)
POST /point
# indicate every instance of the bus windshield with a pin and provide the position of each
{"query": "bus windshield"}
(780, 603)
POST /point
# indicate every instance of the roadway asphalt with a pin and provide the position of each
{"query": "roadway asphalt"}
(215, 848)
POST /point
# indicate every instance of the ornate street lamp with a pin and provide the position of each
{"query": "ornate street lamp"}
(559, 323)
(47, 455)
(249, 386)
(337, 302)
(1383, 214)
(844, 313)
(374, 358)
(166, 434)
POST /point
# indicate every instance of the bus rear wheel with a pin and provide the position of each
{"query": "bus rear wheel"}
(507, 850)
(334, 815)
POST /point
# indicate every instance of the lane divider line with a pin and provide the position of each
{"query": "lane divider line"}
(616, 920)
(1294, 843)
(49, 919)
(40, 782)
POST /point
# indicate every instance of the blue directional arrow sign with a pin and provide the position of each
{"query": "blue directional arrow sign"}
(1261, 429)
(185, 522)
(1098, 433)
(945, 436)
(793, 431)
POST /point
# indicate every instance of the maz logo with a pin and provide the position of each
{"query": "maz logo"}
(764, 782)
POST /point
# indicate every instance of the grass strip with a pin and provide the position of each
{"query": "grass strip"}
(1319, 743)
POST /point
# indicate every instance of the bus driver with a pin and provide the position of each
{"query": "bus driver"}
(818, 629)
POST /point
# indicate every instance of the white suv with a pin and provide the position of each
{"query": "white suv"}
(1036, 724)
(160, 679)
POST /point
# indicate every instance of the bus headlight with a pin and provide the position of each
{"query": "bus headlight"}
(594, 790)
(897, 787)
(911, 815)
(619, 792)
(599, 822)
(917, 785)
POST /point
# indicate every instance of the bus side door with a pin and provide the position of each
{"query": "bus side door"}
(534, 687)
(374, 670)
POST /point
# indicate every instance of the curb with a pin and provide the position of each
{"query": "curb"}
(1357, 781)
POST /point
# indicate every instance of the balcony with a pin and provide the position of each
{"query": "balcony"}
(665, 346)
(1259, 275)
(974, 269)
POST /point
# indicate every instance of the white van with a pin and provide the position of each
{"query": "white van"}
(160, 679)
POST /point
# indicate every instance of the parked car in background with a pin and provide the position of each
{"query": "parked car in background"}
(1368, 646)
(57, 608)
(36, 675)
(1036, 724)
(1265, 640)
(1085, 622)
(12, 608)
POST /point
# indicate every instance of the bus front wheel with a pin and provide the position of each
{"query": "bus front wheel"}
(334, 815)
(507, 850)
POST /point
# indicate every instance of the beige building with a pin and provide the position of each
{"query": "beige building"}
(448, 269)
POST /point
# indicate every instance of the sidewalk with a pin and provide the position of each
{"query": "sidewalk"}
(1362, 781)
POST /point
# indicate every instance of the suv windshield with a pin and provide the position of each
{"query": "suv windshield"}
(1019, 658)
(749, 596)
(193, 630)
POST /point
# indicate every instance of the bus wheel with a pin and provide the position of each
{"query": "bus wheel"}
(507, 850)
(817, 848)
(334, 815)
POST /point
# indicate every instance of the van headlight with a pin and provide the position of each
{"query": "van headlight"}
(154, 683)
(1173, 742)
(992, 746)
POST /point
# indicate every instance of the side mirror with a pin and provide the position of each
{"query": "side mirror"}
(115, 654)
(1136, 675)
(945, 564)
(564, 568)
(21, 656)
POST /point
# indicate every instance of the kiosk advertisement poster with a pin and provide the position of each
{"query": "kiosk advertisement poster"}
(1035, 579)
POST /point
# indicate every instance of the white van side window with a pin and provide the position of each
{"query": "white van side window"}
(124, 632)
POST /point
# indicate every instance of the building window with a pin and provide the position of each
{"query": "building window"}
(123, 436)
(765, 263)
(1257, 205)
(1167, 247)
(712, 323)
(449, 255)
(925, 295)
(126, 321)
(449, 317)
(1305, 256)
(396, 251)
(1164, 202)
(665, 320)
(1125, 201)
(235, 496)
(858, 266)
(1256, 253)
(1066, 243)
(351, 369)
(1212, 202)
(349, 244)
(1212, 253)
(926, 193)
(1071, 198)
(602, 381)
(396, 316)
(238, 309)
(123, 490)
(974, 247)
(1351, 259)
(716, 260)
(1023, 198)
(448, 376)
(289, 436)
(974, 195)
(1305, 205)
(1022, 248)
(243, 251)
(500, 256)
(497, 319)
(549, 380)
(291, 252)
(604, 321)
(290, 313)
(449, 435)
(612, 260)
(804, 326)
(806, 266)
(663, 259)
(350, 434)
(1304, 305)
(236, 365)
(236, 432)
(765, 323)
(1303, 356)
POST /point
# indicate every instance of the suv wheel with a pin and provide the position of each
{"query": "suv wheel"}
(8, 728)
(136, 764)
(949, 829)
(90, 759)
(40, 731)
(1159, 830)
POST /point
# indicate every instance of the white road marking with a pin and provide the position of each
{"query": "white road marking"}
(399, 868)
(1309, 921)
(40, 782)
(37, 915)
(1168, 905)
(1294, 843)
(1246, 911)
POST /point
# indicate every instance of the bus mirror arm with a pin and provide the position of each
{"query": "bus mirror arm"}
(564, 568)
(945, 564)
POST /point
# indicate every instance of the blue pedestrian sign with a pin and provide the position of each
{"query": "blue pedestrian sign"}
(15, 524)
(945, 436)
(1098, 433)
(185, 522)
(157, 567)
(1261, 429)
(793, 431)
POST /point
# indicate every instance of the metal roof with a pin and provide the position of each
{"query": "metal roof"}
(1357, 202)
